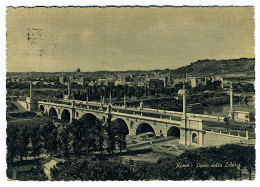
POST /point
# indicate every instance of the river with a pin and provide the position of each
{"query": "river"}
(222, 110)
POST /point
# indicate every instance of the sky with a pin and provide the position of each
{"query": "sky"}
(119, 39)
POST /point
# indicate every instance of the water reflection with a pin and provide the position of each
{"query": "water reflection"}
(222, 110)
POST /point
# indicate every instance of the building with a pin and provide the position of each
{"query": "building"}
(62, 80)
(178, 80)
(195, 81)
(48, 83)
(156, 84)
(168, 80)
(124, 80)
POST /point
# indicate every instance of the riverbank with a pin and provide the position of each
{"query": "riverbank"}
(222, 110)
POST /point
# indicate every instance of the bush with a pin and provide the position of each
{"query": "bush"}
(23, 114)
(33, 174)
(183, 167)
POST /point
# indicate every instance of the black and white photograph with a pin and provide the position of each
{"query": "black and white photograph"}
(130, 93)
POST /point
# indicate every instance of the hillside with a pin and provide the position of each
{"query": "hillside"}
(242, 66)
(234, 67)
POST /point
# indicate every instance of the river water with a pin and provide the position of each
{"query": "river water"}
(222, 110)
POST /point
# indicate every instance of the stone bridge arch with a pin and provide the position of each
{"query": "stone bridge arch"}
(41, 108)
(80, 113)
(173, 131)
(66, 115)
(123, 124)
(88, 117)
(144, 127)
(194, 138)
(53, 112)
(44, 108)
(249, 98)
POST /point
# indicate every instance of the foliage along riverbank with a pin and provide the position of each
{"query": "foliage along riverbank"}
(227, 162)
(206, 99)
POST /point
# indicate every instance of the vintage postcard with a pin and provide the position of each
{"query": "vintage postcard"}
(130, 93)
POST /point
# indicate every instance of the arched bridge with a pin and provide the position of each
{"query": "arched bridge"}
(135, 120)
(188, 127)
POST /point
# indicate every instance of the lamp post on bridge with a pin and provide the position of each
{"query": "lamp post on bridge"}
(184, 134)
(31, 89)
(124, 101)
(101, 100)
(231, 96)
(68, 89)
(67, 96)
(231, 110)
(184, 101)
(109, 108)
(29, 100)
(141, 105)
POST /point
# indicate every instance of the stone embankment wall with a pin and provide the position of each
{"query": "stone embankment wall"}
(22, 105)
(213, 138)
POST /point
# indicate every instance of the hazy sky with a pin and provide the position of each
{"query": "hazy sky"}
(62, 39)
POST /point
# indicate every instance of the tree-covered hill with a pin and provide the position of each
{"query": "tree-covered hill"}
(243, 66)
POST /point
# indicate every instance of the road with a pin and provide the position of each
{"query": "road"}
(136, 146)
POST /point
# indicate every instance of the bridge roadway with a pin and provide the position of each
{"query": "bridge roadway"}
(118, 111)
(155, 113)
(165, 115)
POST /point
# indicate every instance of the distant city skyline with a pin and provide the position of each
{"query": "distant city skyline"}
(125, 39)
(111, 70)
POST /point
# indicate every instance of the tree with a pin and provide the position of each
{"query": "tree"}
(48, 133)
(52, 142)
(110, 137)
(23, 142)
(121, 141)
(120, 135)
(93, 133)
(35, 140)
(12, 142)
(76, 130)
(86, 134)
(249, 154)
(100, 143)
(63, 140)
(100, 138)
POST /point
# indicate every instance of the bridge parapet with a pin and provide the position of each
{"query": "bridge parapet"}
(120, 109)
(217, 118)
(54, 104)
(192, 115)
(136, 116)
(137, 109)
(240, 136)
(218, 138)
